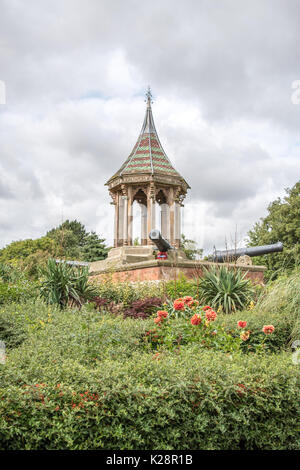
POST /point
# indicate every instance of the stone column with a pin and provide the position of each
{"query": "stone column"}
(165, 221)
(125, 222)
(116, 204)
(172, 217)
(144, 236)
(177, 224)
(130, 216)
(120, 219)
(150, 218)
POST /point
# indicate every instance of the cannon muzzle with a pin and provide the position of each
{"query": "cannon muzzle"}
(162, 244)
(227, 255)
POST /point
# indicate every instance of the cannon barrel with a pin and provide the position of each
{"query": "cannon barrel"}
(221, 256)
(162, 244)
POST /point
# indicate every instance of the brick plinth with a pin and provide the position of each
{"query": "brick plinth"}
(163, 270)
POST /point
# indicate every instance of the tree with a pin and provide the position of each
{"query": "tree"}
(94, 248)
(70, 238)
(190, 248)
(281, 224)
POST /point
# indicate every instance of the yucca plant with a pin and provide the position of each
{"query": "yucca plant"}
(66, 285)
(226, 289)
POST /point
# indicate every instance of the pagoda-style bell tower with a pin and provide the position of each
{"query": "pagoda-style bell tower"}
(148, 177)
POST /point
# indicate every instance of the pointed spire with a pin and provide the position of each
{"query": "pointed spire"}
(149, 97)
(147, 156)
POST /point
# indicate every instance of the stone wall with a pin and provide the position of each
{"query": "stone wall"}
(163, 270)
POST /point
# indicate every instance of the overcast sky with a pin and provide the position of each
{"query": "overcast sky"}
(75, 73)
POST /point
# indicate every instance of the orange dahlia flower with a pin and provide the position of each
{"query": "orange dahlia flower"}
(179, 304)
(196, 319)
(268, 329)
(245, 335)
(210, 315)
(162, 313)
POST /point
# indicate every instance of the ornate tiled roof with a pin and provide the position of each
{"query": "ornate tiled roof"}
(147, 156)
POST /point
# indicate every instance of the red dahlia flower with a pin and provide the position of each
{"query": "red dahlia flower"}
(188, 299)
(196, 319)
(179, 304)
(210, 315)
(192, 303)
(245, 335)
(162, 313)
(242, 324)
(268, 329)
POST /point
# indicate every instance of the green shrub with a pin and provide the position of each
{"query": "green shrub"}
(188, 401)
(127, 292)
(226, 288)
(20, 291)
(10, 333)
(64, 284)
(182, 287)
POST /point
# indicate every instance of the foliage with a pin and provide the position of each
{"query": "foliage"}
(75, 242)
(19, 250)
(28, 255)
(143, 308)
(18, 291)
(181, 287)
(190, 248)
(53, 397)
(10, 333)
(68, 241)
(184, 322)
(94, 248)
(226, 288)
(281, 224)
(84, 380)
(64, 284)
(9, 273)
(127, 292)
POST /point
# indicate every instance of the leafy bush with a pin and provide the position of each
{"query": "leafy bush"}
(188, 401)
(185, 322)
(127, 292)
(10, 333)
(18, 292)
(64, 284)
(226, 288)
(143, 308)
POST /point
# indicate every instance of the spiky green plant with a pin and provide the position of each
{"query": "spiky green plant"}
(66, 285)
(226, 288)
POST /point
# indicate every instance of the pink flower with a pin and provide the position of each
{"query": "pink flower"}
(179, 304)
(196, 319)
(268, 329)
(162, 313)
(210, 315)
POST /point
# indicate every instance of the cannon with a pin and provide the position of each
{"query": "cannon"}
(225, 255)
(162, 244)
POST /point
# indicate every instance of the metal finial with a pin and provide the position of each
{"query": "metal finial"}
(149, 96)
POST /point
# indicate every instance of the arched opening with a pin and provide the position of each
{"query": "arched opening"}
(163, 215)
(139, 209)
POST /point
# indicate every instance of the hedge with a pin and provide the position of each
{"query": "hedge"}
(82, 380)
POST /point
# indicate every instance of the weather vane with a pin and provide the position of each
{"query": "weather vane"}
(149, 95)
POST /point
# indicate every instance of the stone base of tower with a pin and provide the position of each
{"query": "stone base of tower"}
(138, 263)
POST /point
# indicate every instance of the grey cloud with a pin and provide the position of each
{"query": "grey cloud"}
(75, 72)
